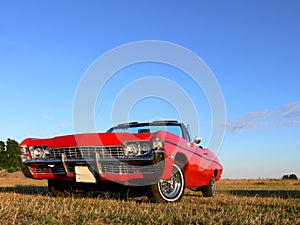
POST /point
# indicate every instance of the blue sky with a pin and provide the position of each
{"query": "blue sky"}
(252, 47)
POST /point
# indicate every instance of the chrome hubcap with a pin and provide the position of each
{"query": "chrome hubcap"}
(171, 188)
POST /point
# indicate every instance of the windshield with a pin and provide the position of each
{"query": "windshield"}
(149, 128)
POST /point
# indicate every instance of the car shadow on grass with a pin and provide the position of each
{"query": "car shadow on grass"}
(26, 189)
(267, 193)
(43, 191)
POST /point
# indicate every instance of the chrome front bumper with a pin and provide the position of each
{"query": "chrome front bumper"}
(100, 166)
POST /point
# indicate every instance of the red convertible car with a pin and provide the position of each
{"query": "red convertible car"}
(158, 157)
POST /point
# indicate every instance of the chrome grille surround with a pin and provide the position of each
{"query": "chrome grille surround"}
(89, 153)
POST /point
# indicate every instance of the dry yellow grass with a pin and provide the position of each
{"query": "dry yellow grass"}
(25, 201)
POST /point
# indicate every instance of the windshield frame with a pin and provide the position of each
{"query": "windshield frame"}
(150, 124)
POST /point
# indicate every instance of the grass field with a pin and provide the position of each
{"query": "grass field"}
(25, 201)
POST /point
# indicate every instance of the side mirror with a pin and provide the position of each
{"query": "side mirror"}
(197, 140)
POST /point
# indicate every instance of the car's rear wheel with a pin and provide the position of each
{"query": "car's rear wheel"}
(170, 190)
(209, 190)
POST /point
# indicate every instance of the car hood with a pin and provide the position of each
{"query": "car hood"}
(88, 139)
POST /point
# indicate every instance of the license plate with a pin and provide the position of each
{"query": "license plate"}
(84, 175)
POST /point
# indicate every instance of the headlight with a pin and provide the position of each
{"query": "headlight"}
(39, 152)
(131, 149)
(145, 148)
(23, 149)
(137, 148)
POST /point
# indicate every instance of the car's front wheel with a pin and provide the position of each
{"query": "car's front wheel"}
(170, 190)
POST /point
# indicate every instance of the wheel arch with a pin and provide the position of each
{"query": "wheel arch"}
(182, 160)
(215, 172)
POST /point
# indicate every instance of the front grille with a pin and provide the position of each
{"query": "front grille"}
(88, 152)
(122, 168)
(57, 169)
(114, 168)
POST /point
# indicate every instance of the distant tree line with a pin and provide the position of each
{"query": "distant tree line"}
(9, 152)
(290, 177)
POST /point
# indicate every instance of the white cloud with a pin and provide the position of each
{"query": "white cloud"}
(288, 115)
